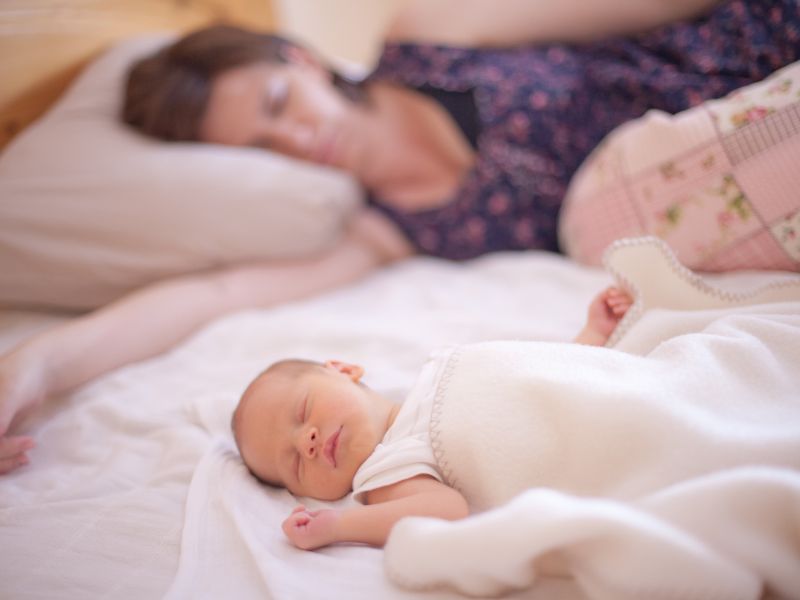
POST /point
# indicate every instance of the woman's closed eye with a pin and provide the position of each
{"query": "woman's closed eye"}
(276, 97)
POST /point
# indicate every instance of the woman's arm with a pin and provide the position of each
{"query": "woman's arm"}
(420, 496)
(156, 318)
(484, 23)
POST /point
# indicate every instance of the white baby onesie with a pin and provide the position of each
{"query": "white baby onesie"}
(405, 450)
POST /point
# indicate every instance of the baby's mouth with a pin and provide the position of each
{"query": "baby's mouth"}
(331, 446)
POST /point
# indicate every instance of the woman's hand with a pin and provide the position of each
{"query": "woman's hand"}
(23, 386)
(13, 452)
(605, 313)
(311, 529)
(384, 239)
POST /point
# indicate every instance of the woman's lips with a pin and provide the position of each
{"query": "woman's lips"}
(331, 446)
(327, 151)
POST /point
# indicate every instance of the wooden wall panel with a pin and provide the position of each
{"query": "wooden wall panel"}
(44, 43)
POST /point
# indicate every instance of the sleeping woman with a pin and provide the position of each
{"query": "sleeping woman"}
(464, 137)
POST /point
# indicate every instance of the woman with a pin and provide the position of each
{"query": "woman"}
(464, 149)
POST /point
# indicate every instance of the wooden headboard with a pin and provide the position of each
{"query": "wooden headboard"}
(45, 43)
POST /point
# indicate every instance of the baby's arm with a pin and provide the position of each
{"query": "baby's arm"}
(371, 524)
(605, 313)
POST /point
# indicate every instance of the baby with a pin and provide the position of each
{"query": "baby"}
(316, 430)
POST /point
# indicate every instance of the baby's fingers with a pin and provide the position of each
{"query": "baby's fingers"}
(616, 294)
(293, 523)
(620, 308)
(618, 301)
(301, 518)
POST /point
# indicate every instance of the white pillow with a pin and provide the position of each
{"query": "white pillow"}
(89, 209)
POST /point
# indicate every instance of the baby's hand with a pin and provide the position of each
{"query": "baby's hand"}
(311, 529)
(605, 313)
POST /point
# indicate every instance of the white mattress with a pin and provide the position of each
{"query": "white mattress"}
(100, 511)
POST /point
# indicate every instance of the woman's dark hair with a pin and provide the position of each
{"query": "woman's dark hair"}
(166, 94)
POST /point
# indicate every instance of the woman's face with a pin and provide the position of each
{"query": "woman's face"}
(291, 108)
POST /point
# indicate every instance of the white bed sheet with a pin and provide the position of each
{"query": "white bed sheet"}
(100, 511)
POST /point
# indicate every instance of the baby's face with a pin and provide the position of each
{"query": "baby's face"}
(311, 432)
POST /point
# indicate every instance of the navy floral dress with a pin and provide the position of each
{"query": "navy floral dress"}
(543, 108)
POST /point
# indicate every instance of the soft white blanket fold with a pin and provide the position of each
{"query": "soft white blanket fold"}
(232, 545)
(671, 474)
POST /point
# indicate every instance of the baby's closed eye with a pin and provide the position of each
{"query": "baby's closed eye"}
(303, 410)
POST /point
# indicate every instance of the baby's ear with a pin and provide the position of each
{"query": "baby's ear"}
(354, 372)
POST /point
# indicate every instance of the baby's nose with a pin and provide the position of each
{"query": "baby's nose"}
(310, 442)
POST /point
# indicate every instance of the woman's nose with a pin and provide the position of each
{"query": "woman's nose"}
(295, 139)
(309, 442)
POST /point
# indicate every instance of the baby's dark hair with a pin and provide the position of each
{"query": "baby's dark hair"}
(291, 368)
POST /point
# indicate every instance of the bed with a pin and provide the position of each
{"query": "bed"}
(118, 500)
(115, 503)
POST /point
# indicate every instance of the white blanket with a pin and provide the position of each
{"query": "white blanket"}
(672, 474)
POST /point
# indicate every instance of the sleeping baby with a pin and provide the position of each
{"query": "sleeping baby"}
(316, 430)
